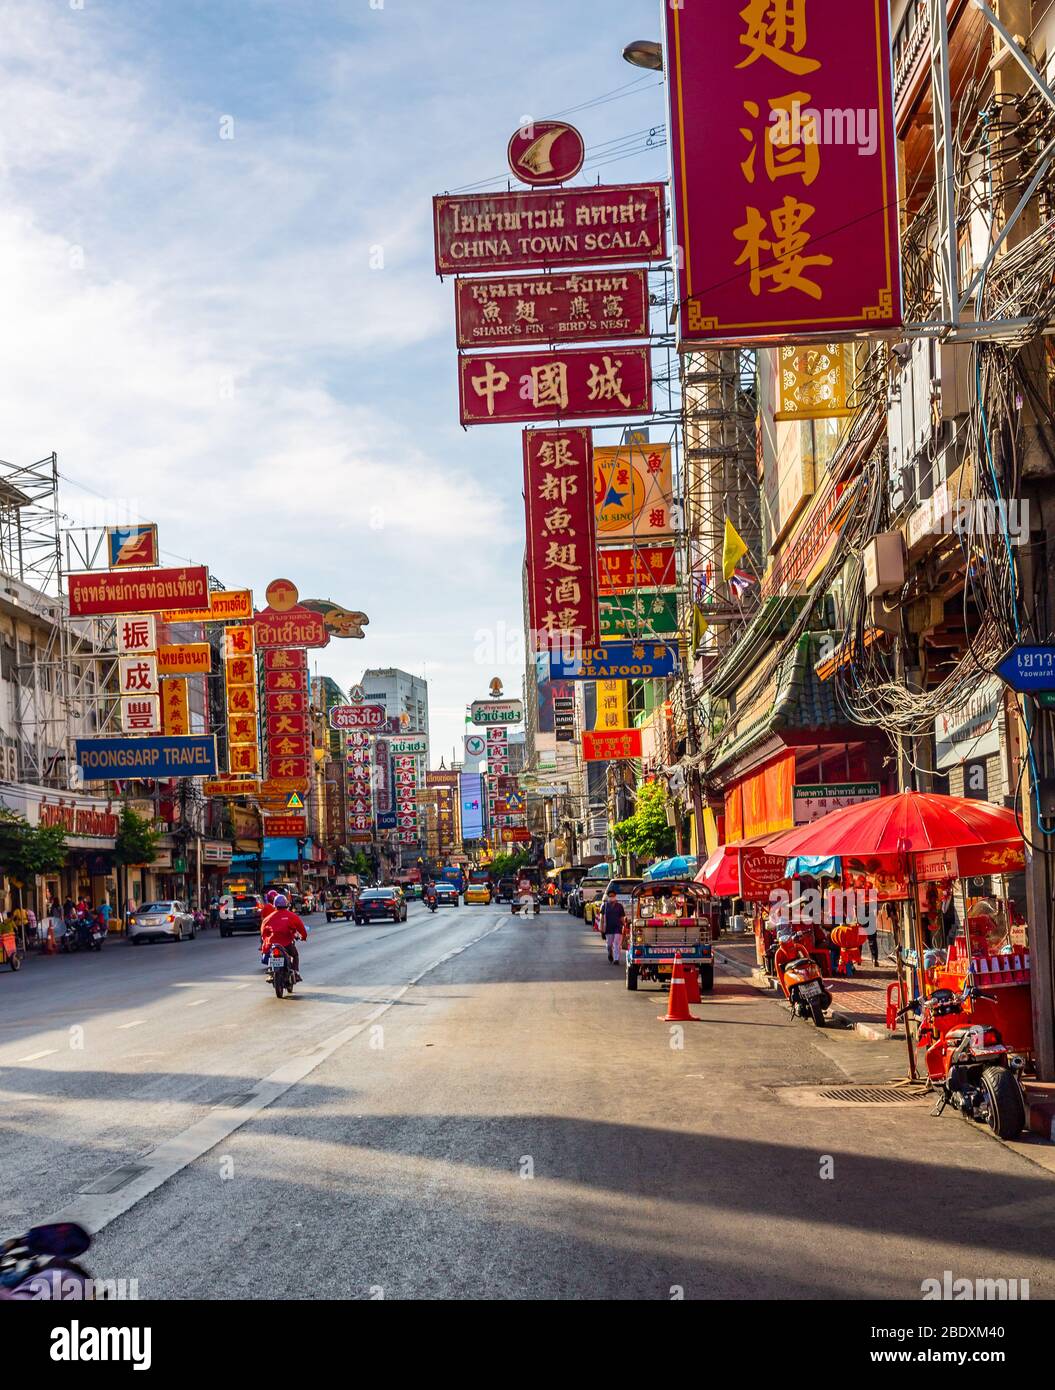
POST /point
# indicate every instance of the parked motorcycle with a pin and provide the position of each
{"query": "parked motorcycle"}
(280, 972)
(42, 1264)
(800, 979)
(98, 931)
(970, 1066)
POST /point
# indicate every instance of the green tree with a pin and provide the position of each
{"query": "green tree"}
(136, 843)
(505, 864)
(28, 850)
(646, 835)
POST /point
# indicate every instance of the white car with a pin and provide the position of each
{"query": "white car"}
(167, 920)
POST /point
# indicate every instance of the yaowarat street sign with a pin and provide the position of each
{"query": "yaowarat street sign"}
(561, 544)
(785, 187)
(615, 743)
(544, 228)
(580, 306)
(526, 387)
(136, 591)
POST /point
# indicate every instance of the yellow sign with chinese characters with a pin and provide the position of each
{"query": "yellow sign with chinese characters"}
(611, 706)
(814, 382)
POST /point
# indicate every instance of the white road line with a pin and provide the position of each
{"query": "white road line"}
(96, 1210)
(245, 986)
(36, 1056)
(195, 1002)
(136, 1023)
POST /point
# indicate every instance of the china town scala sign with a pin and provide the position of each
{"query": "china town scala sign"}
(92, 821)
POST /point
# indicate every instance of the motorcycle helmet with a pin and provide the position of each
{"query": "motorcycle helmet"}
(271, 895)
(281, 901)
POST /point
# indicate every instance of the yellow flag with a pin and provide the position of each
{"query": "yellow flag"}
(699, 625)
(733, 551)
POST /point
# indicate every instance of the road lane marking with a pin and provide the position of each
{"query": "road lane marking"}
(36, 1056)
(136, 1023)
(94, 1211)
(195, 1002)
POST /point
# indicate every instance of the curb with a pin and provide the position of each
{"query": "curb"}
(736, 966)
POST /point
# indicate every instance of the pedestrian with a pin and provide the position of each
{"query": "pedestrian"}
(868, 926)
(67, 909)
(613, 917)
(105, 913)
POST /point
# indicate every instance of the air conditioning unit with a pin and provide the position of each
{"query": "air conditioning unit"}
(884, 562)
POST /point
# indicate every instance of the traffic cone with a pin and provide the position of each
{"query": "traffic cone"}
(692, 984)
(677, 1002)
(50, 949)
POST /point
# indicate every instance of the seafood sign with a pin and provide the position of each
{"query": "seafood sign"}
(138, 591)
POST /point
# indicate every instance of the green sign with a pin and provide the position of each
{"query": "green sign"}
(641, 613)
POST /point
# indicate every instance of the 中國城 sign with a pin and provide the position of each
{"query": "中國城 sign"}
(785, 186)
(544, 228)
(578, 384)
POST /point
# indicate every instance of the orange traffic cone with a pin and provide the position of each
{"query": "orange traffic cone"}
(678, 1001)
(692, 985)
(50, 949)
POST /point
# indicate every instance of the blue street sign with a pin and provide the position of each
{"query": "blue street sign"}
(386, 820)
(615, 661)
(1028, 669)
(107, 759)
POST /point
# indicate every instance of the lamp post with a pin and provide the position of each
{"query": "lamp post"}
(644, 53)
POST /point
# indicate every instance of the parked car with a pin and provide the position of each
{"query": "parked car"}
(380, 904)
(343, 907)
(507, 887)
(624, 889)
(446, 894)
(240, 912)
(166, 920)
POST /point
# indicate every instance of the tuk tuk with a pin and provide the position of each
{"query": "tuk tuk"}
(670, 917)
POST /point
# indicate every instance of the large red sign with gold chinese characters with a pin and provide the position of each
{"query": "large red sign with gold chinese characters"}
(785, 184)
(624, 223)
(579, 306)
(621, 569)
(561, 545)
(611, 745)
(519, 387)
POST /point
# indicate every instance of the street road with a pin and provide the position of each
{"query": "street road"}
(471, 1105)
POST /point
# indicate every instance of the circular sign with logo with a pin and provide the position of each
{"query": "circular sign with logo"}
(282, 595)
(475, 745)
(619, 493)
(546, 152)
(355, 695)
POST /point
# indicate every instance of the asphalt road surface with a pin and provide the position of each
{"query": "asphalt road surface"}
(471, 1105)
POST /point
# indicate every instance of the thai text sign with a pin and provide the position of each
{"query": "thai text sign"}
(357, 716)
(784, 168)
(186, 659)
(528, 387)
(101, 759)
(294, 627)
(223, 606)
(815, 799)
(623, 568)
(579, 307)
(559, 507)
(615, 661)
(137, 591)
(488, 712)
(554, 227)
(614, 743)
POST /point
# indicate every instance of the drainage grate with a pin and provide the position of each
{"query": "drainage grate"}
(114, 1181)
(872, 1095)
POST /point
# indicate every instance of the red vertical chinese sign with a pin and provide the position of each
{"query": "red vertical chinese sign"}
(561, 534)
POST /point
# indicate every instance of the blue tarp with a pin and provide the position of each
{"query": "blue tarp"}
(813, 866)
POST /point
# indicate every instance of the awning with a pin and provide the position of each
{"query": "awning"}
(744, 869)
(814, 866)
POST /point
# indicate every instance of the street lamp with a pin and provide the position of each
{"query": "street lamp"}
(645, 53)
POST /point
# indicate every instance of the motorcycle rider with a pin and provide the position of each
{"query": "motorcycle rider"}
(282, 928)
(265, 912)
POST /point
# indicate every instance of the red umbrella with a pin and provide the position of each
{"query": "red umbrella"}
(727, 873)
(910, 822)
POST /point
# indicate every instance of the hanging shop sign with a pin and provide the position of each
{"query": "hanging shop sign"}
(811, 800)
(813, 382)
(564, 718)
(633, 491)
(175, 706)
(643, 613)
(294, 827)
(615, 661)
(137, 636)
(231, 786)
(286, 622)
(610, 745)
(623, 568)
(475, 745)
(546, 152)
(103, 759)
(136, 591)
(611, 701)
(1029, 670)
(577, 307)
(533, 387)
(356, 716)
(132, 547)
(760, 873)
(405, 746)
(785, 187)
(561, 545)
(222, 606)
(556, 227)
(185, 659)
(971, 730)
(491, 712)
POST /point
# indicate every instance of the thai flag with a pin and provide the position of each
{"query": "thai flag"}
(740, 582)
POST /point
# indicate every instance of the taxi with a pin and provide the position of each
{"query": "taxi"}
(477, 894)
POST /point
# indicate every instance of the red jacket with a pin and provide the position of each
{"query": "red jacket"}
(283, 927)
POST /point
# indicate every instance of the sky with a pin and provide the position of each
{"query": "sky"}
(219, 303)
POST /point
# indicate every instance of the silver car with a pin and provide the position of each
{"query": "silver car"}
(167, 920)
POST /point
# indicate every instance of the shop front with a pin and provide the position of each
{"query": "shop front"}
(90, 825)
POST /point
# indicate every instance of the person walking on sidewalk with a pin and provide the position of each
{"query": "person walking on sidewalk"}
(613, 917)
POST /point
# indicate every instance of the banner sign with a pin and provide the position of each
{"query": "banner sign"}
(186, 659)
(614, 743)
(175, 706)
(296, 627)
(760, 873)
(623, 568)
(484, 713)
(815, 799)
(785, 185)
(132, 547)
(532, 387)
(580, 307)
(223, 606)
(611, 716)
(615, 661)
(638, 614)
(231, 786)
(136, 591)
(555, 227)
(559, 507)
(103, 759)
(634, 490)
(404, 746)
(357, 716)
(294, 827)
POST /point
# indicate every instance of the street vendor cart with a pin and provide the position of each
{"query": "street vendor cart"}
(10, 954)
(668, 918)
